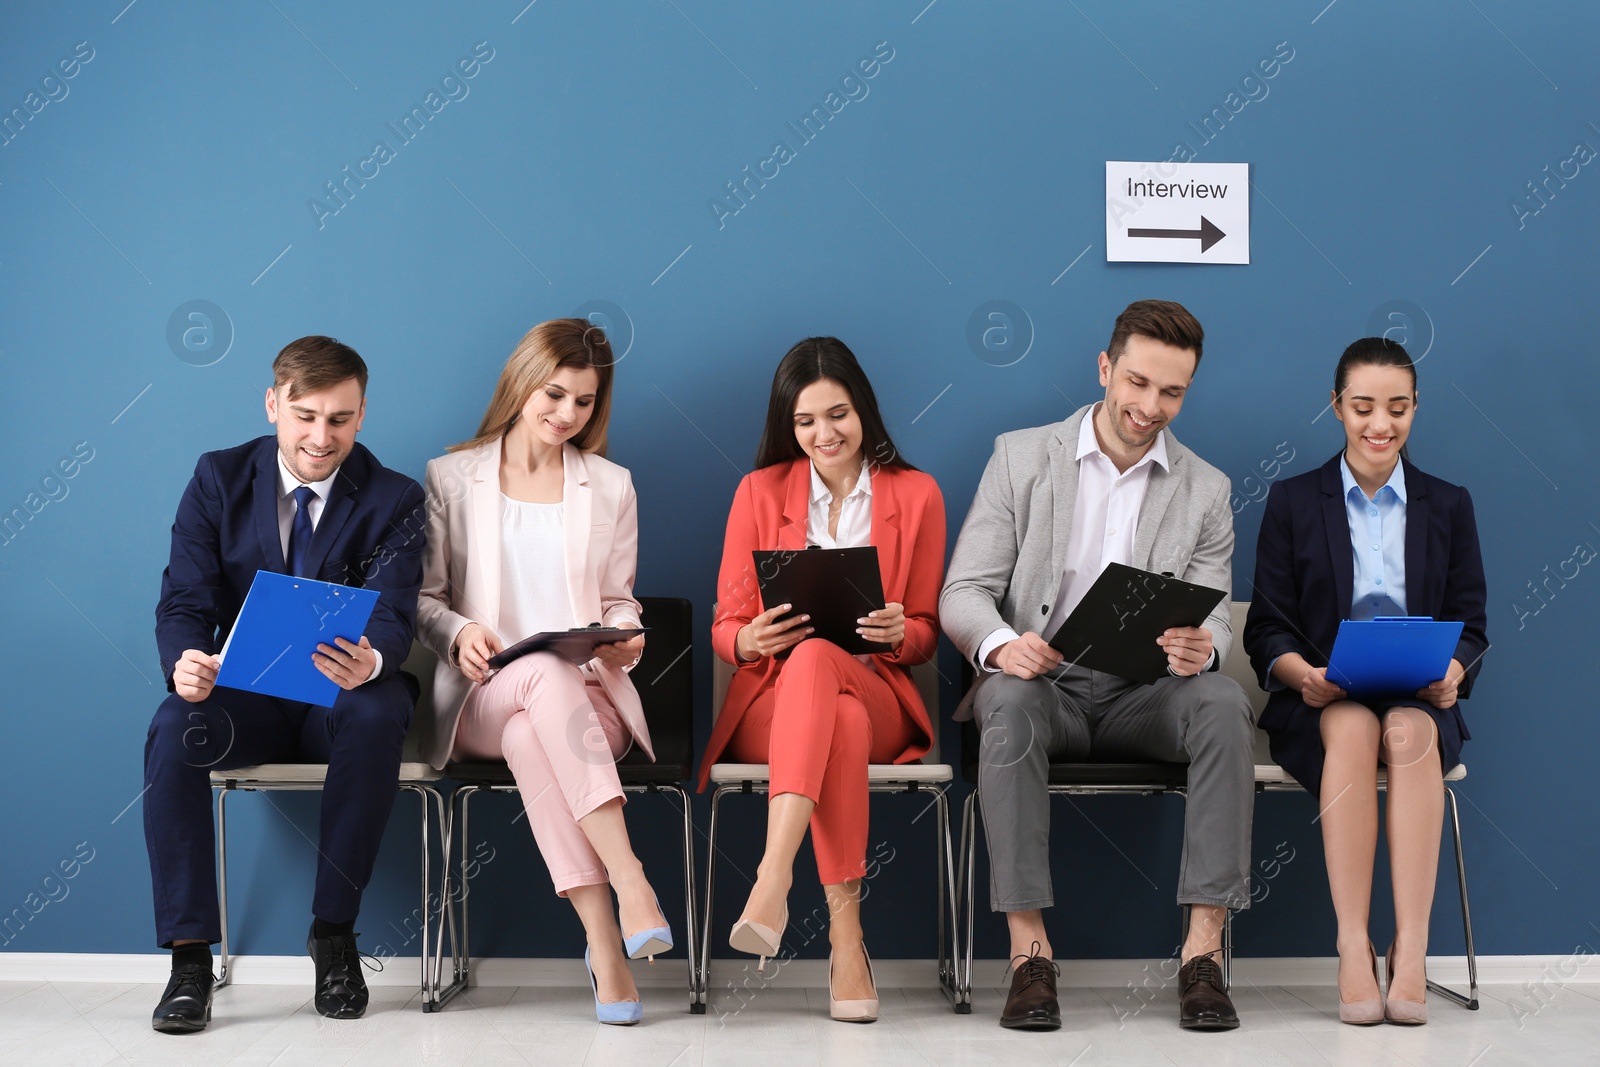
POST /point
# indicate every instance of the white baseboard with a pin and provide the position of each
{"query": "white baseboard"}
(153, 968)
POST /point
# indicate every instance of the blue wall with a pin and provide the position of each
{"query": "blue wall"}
(581, 163)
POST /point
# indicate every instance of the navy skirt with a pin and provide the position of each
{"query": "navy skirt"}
(1295, 732)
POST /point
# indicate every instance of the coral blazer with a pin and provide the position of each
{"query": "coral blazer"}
(769, 512)
(461, 571)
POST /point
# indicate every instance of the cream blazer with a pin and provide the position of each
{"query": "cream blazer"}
(461, 572)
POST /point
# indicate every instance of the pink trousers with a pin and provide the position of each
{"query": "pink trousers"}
(561, 736)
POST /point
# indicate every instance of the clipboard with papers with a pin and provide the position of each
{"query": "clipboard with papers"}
(283, 620)
(835, 586)
(1392, 655)
(576, 646)
(1114, 627)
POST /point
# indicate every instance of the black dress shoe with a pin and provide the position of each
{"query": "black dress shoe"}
(1203, 1003)
(1032, 1003)
(185, 1007)
(341, 991)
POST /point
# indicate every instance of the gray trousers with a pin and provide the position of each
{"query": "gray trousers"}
(1078, 715)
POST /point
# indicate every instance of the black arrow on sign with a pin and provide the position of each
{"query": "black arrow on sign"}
(1208, 234)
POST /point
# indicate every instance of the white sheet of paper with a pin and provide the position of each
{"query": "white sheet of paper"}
(1163, 212)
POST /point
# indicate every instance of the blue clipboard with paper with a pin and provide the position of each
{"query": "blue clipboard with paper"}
(283, 620)
(1392, 654)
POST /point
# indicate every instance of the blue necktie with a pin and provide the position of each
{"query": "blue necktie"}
(300, 531)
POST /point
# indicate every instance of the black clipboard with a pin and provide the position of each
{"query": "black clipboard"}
(1114, 628)
(574, 646)
(835, 586)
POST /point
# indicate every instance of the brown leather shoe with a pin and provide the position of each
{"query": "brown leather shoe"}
(1202, 1002)
(1032, 1003)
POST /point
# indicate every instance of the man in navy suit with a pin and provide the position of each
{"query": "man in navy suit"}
(309, 502)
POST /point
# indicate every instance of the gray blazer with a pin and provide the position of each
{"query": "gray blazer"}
(1008, 561)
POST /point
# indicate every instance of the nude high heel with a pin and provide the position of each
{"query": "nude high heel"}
(1365, 1012)
(853, 1011)
(1405, 1012)
(758, 940)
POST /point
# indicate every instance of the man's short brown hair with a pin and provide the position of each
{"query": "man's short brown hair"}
(315, 363)
(1162, 320)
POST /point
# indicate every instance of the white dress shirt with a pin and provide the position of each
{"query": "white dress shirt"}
(855, 515)
(287, 484)
(1105, 516)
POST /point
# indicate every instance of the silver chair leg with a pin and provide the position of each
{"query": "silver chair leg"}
(969, 863)
(949, 943)
(461, 960)
(447, 915)
(1227, 949)
(1468, 1000)
(222, 881)
(697, 989)
(425, 940)
(705, 918)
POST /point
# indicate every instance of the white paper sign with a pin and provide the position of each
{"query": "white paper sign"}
(1165, 212)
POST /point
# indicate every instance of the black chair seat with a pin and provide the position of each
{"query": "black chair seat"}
(1166, 776)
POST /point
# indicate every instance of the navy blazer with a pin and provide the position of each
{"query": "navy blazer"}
(370, 535)
(1305, 576)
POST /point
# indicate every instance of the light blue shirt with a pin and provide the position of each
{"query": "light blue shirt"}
(1377, 544)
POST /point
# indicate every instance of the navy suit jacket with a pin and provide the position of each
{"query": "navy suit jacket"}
(1305, 576)
(370, 534)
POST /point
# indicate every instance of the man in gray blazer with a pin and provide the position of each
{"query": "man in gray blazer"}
(1055, 505)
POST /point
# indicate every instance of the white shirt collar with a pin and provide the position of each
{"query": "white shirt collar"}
(1396, 482)
(1088, 442)
(821, 494)
(287, 482)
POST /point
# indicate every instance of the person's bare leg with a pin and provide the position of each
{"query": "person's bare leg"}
(608, 834)
(611, 974)
(851, 981)
(1027, 929)
(1415, 820)
(788, 815)
(1205, 930)
(1349, 816)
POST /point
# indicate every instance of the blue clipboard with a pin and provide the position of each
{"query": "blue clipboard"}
(283, 620)
(1392, 654)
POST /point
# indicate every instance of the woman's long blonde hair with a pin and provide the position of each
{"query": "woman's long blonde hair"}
(544, 349)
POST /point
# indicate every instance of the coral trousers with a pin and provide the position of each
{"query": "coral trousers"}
(561, 736)
(826, 717)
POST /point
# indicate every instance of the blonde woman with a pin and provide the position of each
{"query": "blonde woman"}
(531, 529)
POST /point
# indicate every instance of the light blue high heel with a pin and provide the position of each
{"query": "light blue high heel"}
(649, 942)
(617, 1013)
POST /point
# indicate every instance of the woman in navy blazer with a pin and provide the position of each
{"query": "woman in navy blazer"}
(1368, 534)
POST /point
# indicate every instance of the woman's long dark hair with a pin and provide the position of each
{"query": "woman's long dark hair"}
(1375, 352)
(810, 361)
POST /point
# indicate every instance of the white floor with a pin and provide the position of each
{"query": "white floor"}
(64, 1024)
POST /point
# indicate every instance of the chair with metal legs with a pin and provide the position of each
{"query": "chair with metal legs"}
(415, 777)
(1171, 778)
(915, 779)
(665, 682)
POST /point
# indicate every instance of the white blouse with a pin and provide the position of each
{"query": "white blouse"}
(855, 514)
(533, 570)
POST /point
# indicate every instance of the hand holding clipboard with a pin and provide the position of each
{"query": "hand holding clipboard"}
(839, 594)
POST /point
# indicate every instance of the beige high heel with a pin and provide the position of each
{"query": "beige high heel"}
(853, 1011)
(758, 940)
(1405, 1012)
(1365, 1012)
